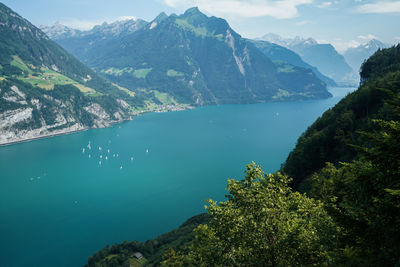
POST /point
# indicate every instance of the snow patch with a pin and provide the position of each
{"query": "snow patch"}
(153, 25)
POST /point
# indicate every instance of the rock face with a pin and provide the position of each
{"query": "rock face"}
(197, 60)
(46, 91)
(28, 118)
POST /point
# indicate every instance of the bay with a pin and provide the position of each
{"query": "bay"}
(60, 204)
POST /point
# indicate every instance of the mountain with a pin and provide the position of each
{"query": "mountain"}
(197, 60)
(79, 42)
(46, 91)
(59, 31)
(361, 197)
(323, 56)
(279, 53)
(356, 56)
(328, 139)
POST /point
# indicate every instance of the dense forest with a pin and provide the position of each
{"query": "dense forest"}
(349, 214)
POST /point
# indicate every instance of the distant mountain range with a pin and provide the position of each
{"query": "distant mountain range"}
(322, 56)
(79, 42)
(356, 56)
(279, 54)
(44, 90)
(194, 58)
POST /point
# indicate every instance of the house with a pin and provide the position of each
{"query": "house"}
(138, 255)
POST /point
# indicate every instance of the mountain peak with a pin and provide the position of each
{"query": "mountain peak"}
(193, 10)
(374, 43)
(162, 16)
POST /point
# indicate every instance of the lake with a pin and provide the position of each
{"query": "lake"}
(61, 201)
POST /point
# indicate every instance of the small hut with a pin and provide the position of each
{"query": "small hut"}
(138, 255)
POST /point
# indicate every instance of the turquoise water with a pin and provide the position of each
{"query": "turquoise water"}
(58, 206)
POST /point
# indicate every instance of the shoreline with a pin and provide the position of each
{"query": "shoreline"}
(158, 110)
(43, 137)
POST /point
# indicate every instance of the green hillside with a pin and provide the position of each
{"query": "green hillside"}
(196, 60)
(350, 215)
(45, 90)
(329, 138)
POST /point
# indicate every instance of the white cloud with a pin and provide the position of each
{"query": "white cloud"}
(397, 38)
(80, 24)
(324, 4)
(380, 7)
(303, 22)
(281, 9)
(367, 37)
(125, 18)
(342, 45)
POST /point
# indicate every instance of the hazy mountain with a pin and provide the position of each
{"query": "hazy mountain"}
(44, 90)
(356, 56)
(79, 42)
(279, 53)
(197, 60)
(323, 56)
(59, 31)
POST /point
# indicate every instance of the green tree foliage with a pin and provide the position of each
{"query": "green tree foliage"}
(329, 138)
(177, 239)
(363, 196)
(262, 223)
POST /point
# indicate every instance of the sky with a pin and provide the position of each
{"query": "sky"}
(344, 23)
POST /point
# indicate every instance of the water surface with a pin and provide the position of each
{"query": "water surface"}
(58, 205)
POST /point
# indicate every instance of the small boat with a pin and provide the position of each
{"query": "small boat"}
(120, 168)
(100, 148)
(101, 156)
(131, 158)
(106, 158)
(99, 162)
(83, 150)
(147, 150)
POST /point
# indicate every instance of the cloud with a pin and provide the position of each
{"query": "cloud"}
(380, 7)
(367, 37)
(324, 5)
(80, 24)
(281, 9)
(303, 22)
(343, 45)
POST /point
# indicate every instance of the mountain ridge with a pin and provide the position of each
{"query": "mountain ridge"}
(44, 90)
(322, 56)
(173, 55)
(357, 55)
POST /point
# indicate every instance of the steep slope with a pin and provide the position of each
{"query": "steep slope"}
(356, 56)
(152, 250)
(279, 53)
(44, 90)
(323, 56)
(328, 139)
(199, 60)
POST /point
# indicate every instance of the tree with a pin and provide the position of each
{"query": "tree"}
(363, 197)
(262, 223)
